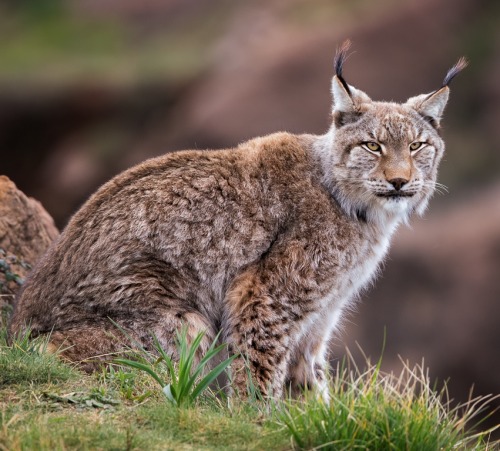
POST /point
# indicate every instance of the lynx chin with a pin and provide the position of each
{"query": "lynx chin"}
(269, 242)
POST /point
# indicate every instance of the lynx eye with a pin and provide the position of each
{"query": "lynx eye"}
(372, 146)
(415, 146)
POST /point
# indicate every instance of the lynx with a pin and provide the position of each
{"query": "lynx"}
(268, 243)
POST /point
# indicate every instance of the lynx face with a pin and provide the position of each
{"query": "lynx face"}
(381, 158)
(387, 160)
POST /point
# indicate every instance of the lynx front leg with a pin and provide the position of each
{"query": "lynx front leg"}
(259, 328)
(308, 365)
(267, 307)
(308, 368)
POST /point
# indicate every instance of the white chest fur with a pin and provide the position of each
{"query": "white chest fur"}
(356, 276)
(366, 265)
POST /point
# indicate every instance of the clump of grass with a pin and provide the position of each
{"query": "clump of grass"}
(372, 410)
(188, 380)
(25, 361)
(124, 382)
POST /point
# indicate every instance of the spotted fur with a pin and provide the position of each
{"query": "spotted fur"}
(269, 242)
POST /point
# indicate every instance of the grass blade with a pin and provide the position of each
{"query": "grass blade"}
(211, 376)
(167, 359)
(142, 367)
(170, 393)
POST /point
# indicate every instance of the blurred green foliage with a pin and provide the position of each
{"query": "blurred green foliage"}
(43, 41)
(35, 8)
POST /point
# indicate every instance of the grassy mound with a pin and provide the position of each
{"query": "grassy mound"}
(48, 405)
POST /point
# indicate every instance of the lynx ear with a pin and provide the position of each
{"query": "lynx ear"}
(431, 106)
(347, 100)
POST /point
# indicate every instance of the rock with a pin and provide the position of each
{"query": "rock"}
(26, 230)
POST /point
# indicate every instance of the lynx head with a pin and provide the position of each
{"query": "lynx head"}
(382, 158)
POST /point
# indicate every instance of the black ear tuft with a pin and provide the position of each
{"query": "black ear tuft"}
(339, 60)
(460, 65)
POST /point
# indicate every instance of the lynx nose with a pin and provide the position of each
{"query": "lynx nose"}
(398, 183)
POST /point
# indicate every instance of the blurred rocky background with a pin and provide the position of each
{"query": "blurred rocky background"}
(89, 88)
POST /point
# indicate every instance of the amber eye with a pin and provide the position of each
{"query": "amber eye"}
(415, 146)
(373, 146)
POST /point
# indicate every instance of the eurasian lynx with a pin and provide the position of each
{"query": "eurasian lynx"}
(268, 242)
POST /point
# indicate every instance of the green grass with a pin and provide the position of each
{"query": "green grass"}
(25, 362)
(48, 405)
(371, 410)
(188, 379)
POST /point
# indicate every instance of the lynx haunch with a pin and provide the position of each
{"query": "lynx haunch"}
(268, 243)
